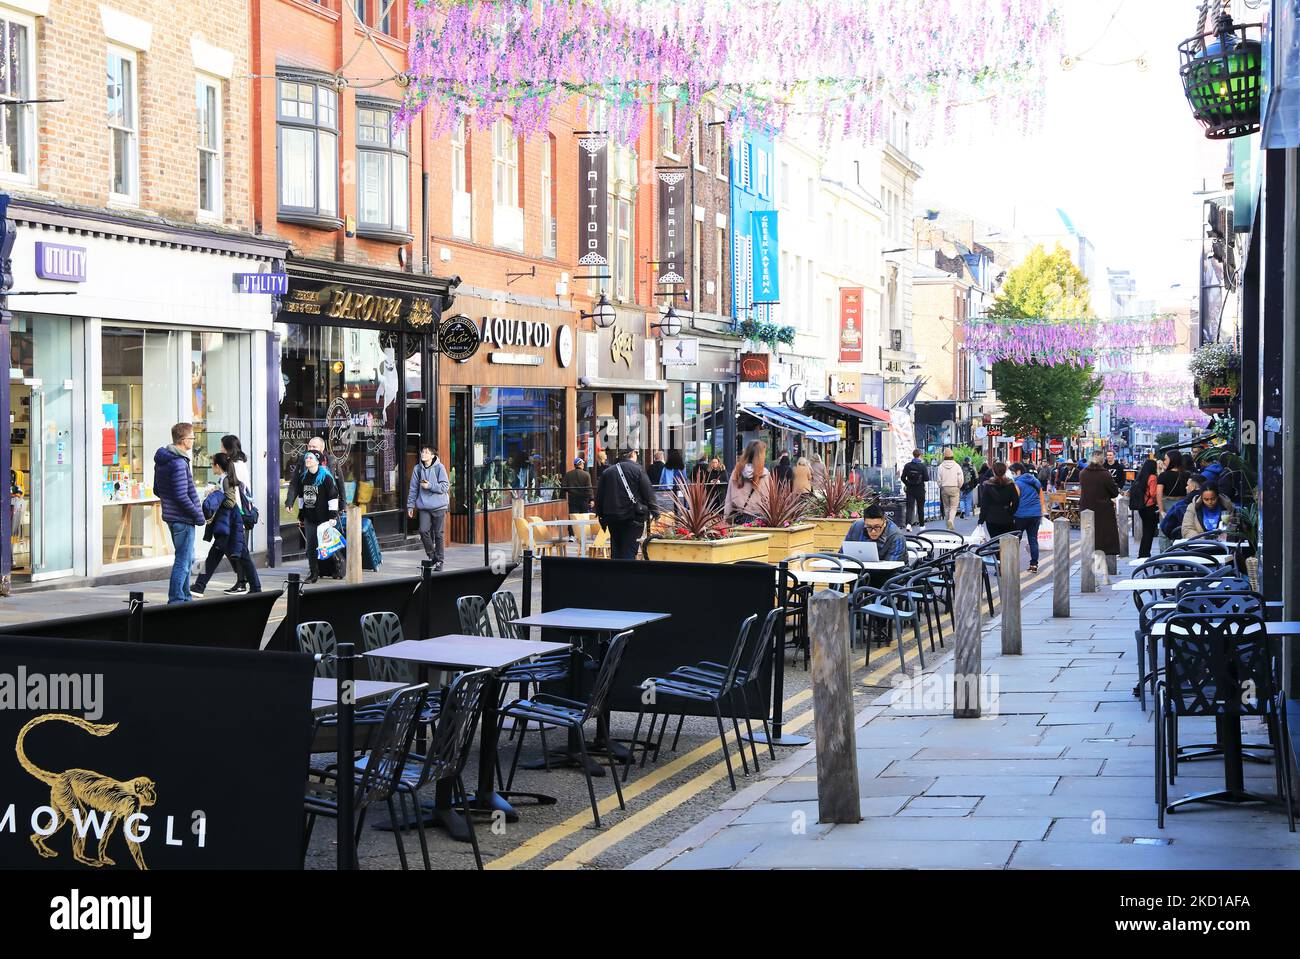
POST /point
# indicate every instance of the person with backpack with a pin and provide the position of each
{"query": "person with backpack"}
(914, 476)
(965, 506)
(173, 484)
(625, 502)
(1144, 500)
(999, 502)
(225, 509)
(428, 496)
(232, 447)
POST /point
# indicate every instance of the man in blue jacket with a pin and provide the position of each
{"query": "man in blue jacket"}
(173, 484)
(876, 527)
(1030, 511)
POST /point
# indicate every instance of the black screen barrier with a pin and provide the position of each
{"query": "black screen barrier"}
(140, 756)
(707, 605)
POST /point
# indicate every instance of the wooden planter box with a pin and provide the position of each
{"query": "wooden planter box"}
(732, 549)
(786, 541)
(828, 533)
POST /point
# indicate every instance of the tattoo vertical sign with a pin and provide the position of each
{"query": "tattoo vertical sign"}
(672, 226)
(593, 202)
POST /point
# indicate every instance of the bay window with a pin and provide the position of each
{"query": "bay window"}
(383, 175)
(307, 127)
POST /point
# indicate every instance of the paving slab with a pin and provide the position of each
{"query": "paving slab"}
(825, 853)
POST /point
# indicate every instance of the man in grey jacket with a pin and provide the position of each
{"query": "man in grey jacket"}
(428, 496)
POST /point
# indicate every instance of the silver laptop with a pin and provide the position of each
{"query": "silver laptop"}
(864, 552)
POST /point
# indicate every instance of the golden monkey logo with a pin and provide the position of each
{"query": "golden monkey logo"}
(88, 801)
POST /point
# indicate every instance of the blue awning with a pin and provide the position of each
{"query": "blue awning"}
(784, 418)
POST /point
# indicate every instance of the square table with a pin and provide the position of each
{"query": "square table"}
(604, 623)
(1155, 583)
(325, 692)
(456, 652)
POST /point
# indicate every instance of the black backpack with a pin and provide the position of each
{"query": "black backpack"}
(251, 514)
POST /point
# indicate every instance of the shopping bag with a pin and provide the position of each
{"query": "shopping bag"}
(980, 536)
(328, 541)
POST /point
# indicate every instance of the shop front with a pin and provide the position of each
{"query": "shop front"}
(620, 395)
(135, 327)
(700, 401)
(508, 432)
(356, 368)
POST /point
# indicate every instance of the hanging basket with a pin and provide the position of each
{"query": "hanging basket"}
(1221, 74)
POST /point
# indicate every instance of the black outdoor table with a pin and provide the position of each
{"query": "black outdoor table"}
(605, 623)
(456, 652)
(325, 696)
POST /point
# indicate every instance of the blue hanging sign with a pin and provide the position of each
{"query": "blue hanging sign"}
(276, 283)
(767, 267)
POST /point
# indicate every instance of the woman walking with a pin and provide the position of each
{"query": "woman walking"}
(1029, 514)
(224, 509)
(747, 488)
(319, 504)
(1143, 499)
(233, 448)
(803, 476)
(999, 500)
(428, 497)
(670, 477)
(1097, 492)
(784, 472)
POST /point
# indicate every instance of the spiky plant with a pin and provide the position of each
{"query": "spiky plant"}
(840, 498)
(696, 513)
(783, 506)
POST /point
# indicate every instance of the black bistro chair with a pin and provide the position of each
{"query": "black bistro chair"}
(1224, 666)
(571, 714)
(894, 608)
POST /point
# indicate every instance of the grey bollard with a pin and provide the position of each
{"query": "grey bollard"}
(1009, 594)
(1123, 517)
(1087, 543)
(967, 664)
(1061, 569)
(832, 677)
(1138, 530)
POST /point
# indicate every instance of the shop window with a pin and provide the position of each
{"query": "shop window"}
(518, 444)
(17, 119)
(383, 176)
(207, 97)
(307, 127)
(123, 125)
(342, 384)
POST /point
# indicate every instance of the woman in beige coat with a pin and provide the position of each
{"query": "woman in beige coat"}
(803, 477)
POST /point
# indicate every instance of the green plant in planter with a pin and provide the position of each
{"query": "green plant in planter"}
(840, 498)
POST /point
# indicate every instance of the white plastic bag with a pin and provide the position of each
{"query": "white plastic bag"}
(328, 540)
(980, 536)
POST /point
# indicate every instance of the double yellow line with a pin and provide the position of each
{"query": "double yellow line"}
(535, 846)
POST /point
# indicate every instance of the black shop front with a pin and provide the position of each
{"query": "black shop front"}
(357, 366)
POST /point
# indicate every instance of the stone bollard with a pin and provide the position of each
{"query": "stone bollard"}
(967, 663)
(1009, 594)
(1087, 544)
(1061, 569)
(832, 677)
(1124, 518)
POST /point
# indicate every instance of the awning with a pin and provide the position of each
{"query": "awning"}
(784, 418)
(861, 411)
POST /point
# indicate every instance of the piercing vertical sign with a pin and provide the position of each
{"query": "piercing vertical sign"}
(593, 201)
(672, 226)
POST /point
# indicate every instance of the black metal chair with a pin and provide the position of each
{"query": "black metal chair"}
(920, 589)
(571, 714)
(943, 542)
(710, 692)
(1222, 666)
(990, 555)
(318, 639)
(542, 669)
(448, 752)
(893, 607)
(377, 631)
(377, 781)
(1153, 605)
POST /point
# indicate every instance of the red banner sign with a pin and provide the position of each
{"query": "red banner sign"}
(851, 331)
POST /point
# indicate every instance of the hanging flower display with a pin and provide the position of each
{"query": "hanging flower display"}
(1078, 341)
(837, 60)
(1159, 417)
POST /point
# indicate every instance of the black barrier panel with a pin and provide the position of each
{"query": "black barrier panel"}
(707, 605)
(230, 622)
(343, 605)
(180, 758)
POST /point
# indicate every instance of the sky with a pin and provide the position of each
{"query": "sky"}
(1118, 149)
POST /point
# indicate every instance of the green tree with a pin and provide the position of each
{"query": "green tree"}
(1038, 399)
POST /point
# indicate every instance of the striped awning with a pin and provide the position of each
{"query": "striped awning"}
(784, 418)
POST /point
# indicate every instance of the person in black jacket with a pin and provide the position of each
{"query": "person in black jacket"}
(999, 500)
(625, 502)
(320, 504)
(914, 476)
(1116, 469)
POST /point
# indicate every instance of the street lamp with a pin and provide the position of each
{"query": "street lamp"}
(670, 324)
(602, 313)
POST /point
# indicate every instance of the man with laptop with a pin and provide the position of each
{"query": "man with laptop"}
(877, 533)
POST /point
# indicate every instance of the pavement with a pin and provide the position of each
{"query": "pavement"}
(1057, 774)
